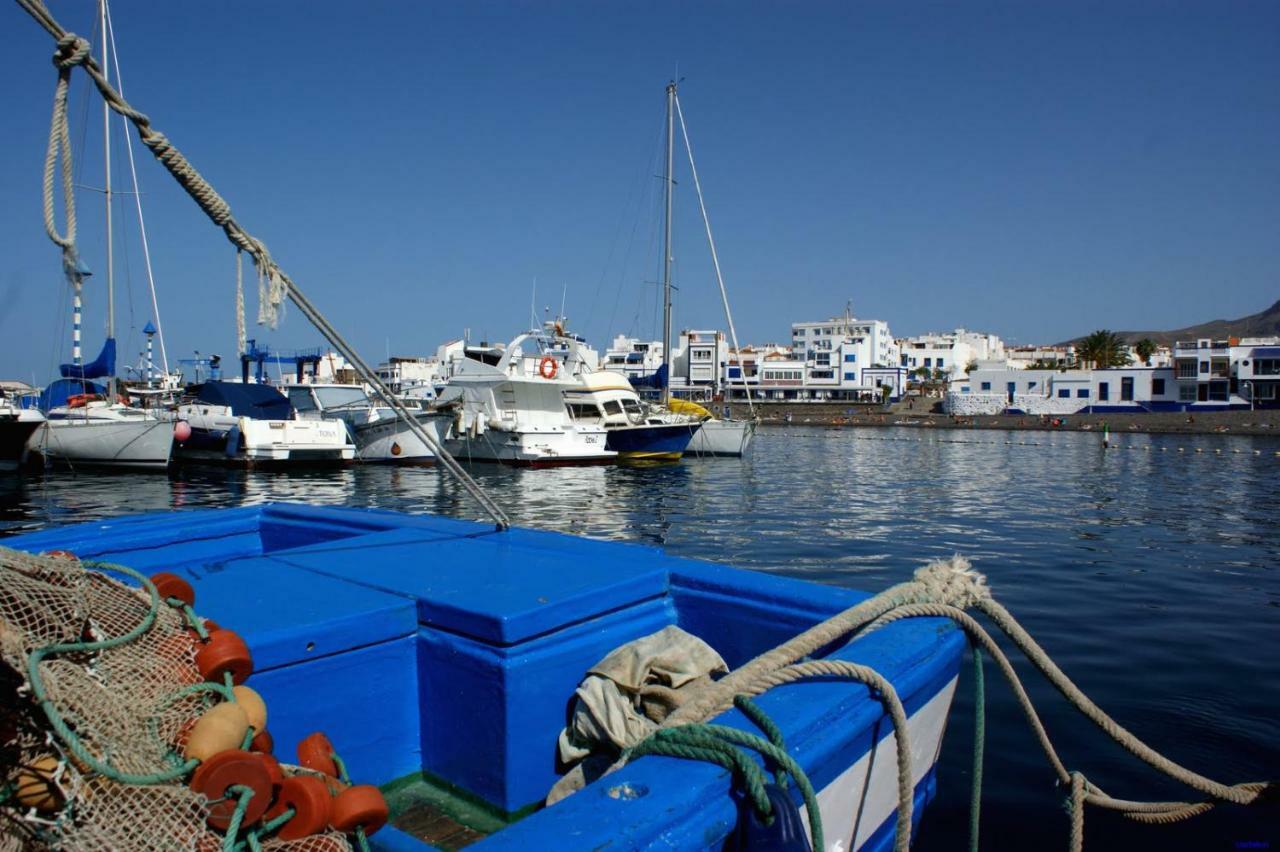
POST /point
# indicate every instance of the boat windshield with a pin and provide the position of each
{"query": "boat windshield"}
(583, 410)
(300, 399)
(632, 407)
(345, 397)
(611, 406)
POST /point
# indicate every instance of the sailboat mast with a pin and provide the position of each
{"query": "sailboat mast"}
(666, 242)
(106, 158)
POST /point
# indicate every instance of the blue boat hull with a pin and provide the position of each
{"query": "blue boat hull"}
(442, 650)
(665, 442)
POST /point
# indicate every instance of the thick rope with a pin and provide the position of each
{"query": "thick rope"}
(241, 336)
(950, 581)
(278, 284)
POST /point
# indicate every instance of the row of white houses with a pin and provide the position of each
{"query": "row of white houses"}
(1204, 375)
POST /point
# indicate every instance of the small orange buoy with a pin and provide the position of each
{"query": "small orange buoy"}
(227, 769)
(221, 728)
(224, 652)
(35, 786)
(316, 752)
(310, 801)
(361, 806)
(273, 770)
(172, 586)
(262, 742)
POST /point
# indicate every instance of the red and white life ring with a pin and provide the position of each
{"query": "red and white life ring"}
(547, 367)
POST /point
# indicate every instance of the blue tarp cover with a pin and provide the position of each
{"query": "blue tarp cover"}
(1266, 352)
(656, 379)
(56, 393)
(103, 365)
(258, 401)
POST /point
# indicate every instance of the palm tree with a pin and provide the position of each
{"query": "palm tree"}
(1146, 347)
(1102, 349)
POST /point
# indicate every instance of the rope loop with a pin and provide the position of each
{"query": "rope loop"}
(72, 50)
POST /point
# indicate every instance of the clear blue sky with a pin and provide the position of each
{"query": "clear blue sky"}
(1037, 170)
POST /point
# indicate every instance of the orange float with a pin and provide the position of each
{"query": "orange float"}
(316, 752)
(310, 801)
(172, 586)
(547, 367)
(224, 652)
(274, 772)
(227, 769)
(361, 806)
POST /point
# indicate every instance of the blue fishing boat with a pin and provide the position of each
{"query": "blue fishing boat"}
(441, 657)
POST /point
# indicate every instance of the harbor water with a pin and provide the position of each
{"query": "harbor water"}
(1149, 572)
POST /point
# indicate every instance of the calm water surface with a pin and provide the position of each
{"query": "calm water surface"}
(1150, 576)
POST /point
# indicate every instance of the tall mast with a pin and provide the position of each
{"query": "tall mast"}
(106, 159)
(666, 243)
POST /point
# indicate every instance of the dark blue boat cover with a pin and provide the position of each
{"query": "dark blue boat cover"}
(103, 365)
(260, 402)
(656, 379)
(56, 393)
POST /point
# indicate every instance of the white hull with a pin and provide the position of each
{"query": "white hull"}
(391, 440)
(106, 443)
(722, 438)
(549, 448)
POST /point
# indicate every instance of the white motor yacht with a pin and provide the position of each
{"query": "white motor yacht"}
(380, 435)
(251, 425)
(508, 406)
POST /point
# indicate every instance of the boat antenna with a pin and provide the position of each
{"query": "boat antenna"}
(715, 259)
(74, 50)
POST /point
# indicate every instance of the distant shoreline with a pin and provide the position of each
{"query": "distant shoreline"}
(1261, 422)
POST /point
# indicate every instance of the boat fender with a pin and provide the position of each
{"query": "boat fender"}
(215, 777)
(361, 806)
(547, 367)
(307, 796)
(785, 833)
(315, 752)
(225, 652)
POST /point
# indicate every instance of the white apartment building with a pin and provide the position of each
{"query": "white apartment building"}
(633, 357)
(698, 364)
(1228, 372)
(950, 351)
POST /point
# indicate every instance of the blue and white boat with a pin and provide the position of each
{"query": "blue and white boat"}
(636, 431)
(441, 656)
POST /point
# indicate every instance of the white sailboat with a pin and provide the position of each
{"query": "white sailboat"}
(712, 436)
(88, 424)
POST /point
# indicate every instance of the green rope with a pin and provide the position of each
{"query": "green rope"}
(56, 721)
(192, 619)
(979, 744)
(237, 816)
(342, 768)
(361, 840)
(718, 744)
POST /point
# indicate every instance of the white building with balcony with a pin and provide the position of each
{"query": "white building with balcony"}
(951, 351)
(633, 357)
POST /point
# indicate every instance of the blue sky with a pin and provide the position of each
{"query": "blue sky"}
(1033, 169)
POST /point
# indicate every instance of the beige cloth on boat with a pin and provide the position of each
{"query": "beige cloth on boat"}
(625, 696)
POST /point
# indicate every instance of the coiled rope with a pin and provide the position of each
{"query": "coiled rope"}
(945, 589)
(275, 284)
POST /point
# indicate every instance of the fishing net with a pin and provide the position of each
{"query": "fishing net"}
(99, 692)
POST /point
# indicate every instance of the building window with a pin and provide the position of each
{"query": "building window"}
(1104, 391)
(735, 372)
(1266, 367)
(1031, 386)
(1064, 393)
(1186, 393)
(1126, 389)
(851, 358)
(986, 386)
(1157, 387)
(1204, 366)
(940, 364)
(928, 362)
(850, 377)
(1082, 393)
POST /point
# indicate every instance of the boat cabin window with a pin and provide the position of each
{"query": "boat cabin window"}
(582, 410)
(612, 407)
(632, 406)
(348, 397)
(300, 399)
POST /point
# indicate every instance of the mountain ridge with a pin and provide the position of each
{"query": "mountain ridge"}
(1265, 323)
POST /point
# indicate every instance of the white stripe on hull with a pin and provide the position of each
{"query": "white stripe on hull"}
(862, 797)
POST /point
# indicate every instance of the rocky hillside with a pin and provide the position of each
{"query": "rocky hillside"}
(1262, 324)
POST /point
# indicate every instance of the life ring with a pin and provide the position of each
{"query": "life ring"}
(547, 367)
